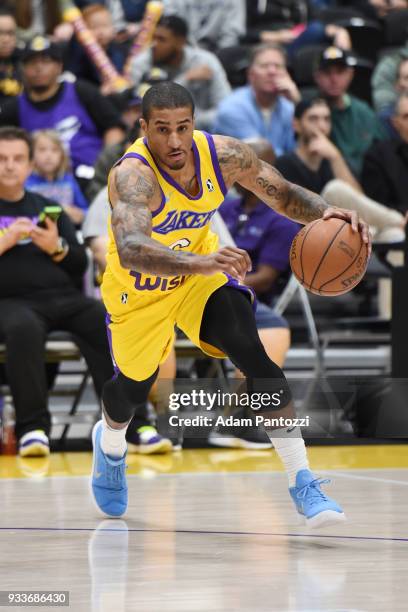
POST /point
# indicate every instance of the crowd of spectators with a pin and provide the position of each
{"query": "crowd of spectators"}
(292, 74)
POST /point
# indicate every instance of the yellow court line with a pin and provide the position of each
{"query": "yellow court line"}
(210, 460)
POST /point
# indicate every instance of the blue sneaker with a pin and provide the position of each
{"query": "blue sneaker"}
(310, 501)
(109, 487)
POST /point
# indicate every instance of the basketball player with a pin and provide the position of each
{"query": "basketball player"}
(164, 268)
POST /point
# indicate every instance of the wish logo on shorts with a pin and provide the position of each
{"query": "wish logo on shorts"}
(151, 283)
(183, 219)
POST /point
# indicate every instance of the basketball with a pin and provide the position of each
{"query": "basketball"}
(328, 258)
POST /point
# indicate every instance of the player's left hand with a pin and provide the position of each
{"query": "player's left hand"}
(357, 224)
(46, 238)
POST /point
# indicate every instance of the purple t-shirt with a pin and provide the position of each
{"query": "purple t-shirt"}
(264, 234)
(72, 121)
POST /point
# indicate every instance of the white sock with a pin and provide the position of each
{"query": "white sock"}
(113, 441)
(291, 449)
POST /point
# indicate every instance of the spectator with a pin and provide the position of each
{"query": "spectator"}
(37, 17)
(81, 115)
(134, 10)
(196, 69)
(40, 269)
(212, 24)
(100, 23)
(400, 85)
(105, 161)
(274, 22)
(10, 76)
(318, 165)
(354, 124)
(51, 176)
(122, 11)
(378, 9)
(385, 170)
(385, 76)
(264, 107)
(291, 24)
(95, 229)
(130, 116)
(131, 108)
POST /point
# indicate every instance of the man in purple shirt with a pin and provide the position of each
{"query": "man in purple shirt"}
(265, 235)
(84, 119)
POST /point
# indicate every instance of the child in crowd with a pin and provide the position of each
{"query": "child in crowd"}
(51, 176)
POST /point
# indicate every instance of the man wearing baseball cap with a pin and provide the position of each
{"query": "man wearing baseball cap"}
(40, 45)
(354, 124)
(81, 115)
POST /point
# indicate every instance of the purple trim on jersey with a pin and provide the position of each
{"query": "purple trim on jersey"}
(108, 321)
(144, 160)
(216, 163)
(232, 282)
(162, 205)
(136, 155)
(169, 179)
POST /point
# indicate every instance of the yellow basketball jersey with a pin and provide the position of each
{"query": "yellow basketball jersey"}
(182, 221)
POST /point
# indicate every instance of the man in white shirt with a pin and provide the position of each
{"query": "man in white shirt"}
(196, 69)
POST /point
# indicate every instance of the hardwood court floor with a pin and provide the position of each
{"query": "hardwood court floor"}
(209, 530)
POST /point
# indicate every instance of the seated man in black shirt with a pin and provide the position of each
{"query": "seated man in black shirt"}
(39, 270)
(385, 166)
(83, 117)
(318, 165)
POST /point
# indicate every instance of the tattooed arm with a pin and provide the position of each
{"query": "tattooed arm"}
(240, 164)
(134, 195)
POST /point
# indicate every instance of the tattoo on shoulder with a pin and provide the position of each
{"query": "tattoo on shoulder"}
(235, 157)
(133, 185)
(128, 219)
(131, 214)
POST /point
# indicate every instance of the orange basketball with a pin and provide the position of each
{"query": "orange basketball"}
(328, 258)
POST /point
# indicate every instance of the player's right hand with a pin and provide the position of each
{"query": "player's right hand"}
(231, 260)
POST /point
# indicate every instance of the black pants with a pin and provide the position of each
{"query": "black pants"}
(24, 325)
(228, 323)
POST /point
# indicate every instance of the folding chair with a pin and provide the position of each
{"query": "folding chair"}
(60, 347)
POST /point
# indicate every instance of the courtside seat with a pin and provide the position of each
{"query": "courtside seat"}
(60, 347)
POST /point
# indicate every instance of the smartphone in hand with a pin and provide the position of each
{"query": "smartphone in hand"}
(52, 212)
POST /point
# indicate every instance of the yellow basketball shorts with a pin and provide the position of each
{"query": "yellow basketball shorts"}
(141, 326)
